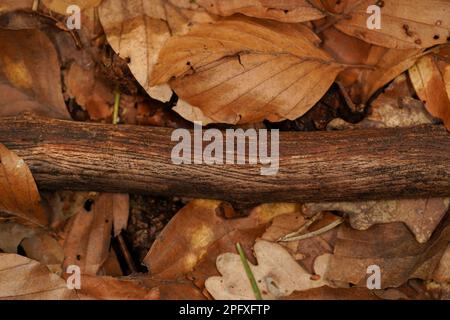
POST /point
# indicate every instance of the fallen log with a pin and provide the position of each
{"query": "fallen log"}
(317, 166)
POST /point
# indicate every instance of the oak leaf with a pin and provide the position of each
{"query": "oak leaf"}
(307, 250)
(390, 246)
(277, 274)
(420, 215)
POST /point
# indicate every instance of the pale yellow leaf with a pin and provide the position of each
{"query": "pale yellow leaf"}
(277, 274)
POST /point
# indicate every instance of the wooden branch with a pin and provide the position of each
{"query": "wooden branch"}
(318, 166)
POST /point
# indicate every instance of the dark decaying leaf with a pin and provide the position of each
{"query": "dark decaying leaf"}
(30, 75)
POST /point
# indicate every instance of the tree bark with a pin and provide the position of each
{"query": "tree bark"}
(318, 166)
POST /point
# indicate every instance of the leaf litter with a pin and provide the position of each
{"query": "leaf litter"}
(300, 65)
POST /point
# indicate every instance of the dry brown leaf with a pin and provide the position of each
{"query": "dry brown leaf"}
(61, 6)
(12, 234)
(284, 11)
(390, 246)
(11, 5)
(430, 84)
(30, 75)
(88, 236)
(405, 24)
(304, 251)
(389, 112)
(137, 30)
(344, 48)
(65, 204)
(174, 289)
(25, 279)
(90, 92)
(243, 71)
(20, 196)
(389, 63)
(395, 107)
(194, 230)
(422, 216)
(111, 267)
(109, 288)
(121, 212)
(206, 267)
(442, 272)
(277, 274)
(284, 224)
(439, 291)
(43, 248)
(382, 64)
(327, 293)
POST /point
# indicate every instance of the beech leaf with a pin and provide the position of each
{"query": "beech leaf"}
(137, 30)
(88, 235)
(60, 6)
(19, 193)
(284, 11)
(242, 71)
(23, 278)
(431, 82)
(30, 75)
(405, 24)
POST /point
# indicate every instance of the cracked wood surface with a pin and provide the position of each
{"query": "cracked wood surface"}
(314, 166)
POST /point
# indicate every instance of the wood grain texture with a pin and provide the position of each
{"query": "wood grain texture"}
(316, 166)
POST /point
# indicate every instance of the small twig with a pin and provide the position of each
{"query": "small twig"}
(347, 98)
(126, 254)
(338, 17)
(61, 26)
(314, 233)
(35, 5)
(116, 106)
(249, 272)
(303, 228)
